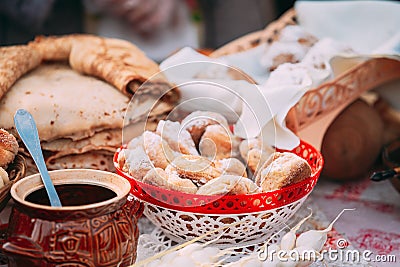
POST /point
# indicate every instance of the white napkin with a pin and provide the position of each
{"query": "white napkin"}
(261, 109)
(251, 65)
(364, 25)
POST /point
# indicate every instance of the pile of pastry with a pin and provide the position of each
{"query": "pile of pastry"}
(8, 151)
(200, 155)
(295, 45)
(80, 106)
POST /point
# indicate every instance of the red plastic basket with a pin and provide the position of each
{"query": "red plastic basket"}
(229, 204)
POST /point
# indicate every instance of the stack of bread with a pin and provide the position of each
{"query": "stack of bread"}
(78, 88)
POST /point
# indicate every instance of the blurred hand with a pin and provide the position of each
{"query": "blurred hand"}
(145, 16)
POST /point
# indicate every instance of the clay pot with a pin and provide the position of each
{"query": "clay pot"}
(97, 225)
(352, 142)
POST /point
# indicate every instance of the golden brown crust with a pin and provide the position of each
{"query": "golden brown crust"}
(99, 160)
(63, 107)
(255, 153)
(4, 178)
(157, 177)
(216, 142)
(118, 62)
(231, 166)
(196, 123)
(54, 48)
(282, 169)
(15, 61)
(256, 158)
(181, 184)
(8, 148)
(196, 168)
(179, 139)
(157, 149)
(228, 184)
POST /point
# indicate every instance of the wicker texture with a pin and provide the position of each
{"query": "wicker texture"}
(16, 171)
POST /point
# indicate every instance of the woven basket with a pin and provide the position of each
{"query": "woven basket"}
(330, 96)
(16, 171)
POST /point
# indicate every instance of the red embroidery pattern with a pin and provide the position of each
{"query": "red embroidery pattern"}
(380, 242)
(333, 237)
(350, 190)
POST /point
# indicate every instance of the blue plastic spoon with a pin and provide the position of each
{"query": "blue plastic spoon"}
(27, 130)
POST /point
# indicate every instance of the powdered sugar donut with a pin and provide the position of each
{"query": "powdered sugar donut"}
(178, 138)
(196, 123)
(290, 47)
(282, 169)
(228, 184)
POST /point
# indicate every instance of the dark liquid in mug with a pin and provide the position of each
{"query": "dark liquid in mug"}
(73, 195)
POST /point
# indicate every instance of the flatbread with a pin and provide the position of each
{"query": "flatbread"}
(116, 61)
(105, 140)
(15, 61)
(55, 48)
(108, 140)
(100, 160)
(64, 103)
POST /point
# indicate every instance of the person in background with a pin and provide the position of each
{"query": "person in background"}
(159, 27)
(162, 27)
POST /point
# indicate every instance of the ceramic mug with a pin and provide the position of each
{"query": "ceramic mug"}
(96, 226)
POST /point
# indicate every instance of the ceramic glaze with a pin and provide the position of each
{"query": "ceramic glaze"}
(97, 227)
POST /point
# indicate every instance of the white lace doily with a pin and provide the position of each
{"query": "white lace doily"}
(152, 240)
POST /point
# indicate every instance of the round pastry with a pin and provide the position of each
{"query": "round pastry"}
(255, 153)
(216, 142)
(228, 184)
(282, 169)
(135, 162)
(247, 145)
(4, 179)
(178, 139)
(157, 177)
(257, 157)
(231, 166)
(158, 150)
(180, 184)
(196, 123)
(290, 47)
(135, 142)
(8, 148)
(196, 168)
